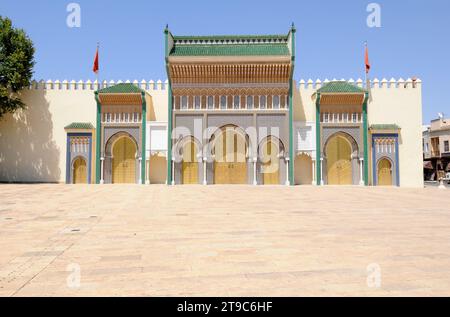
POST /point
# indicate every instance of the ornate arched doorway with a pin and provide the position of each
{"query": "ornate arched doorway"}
(80, 171)
(384, 172)
(190, 162)
(270, 155)
(339, 161)
(230, 148)
(124, 161)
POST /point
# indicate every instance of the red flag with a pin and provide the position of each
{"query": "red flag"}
(367, 60)
(96, 68)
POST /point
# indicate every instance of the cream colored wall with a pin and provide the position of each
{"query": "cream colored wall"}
(33, 141)
(402, 106)
(394, 101)
(158, 169)
(303, 170)
(304, 106)
(157, 105)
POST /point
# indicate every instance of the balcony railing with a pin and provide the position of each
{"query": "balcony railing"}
(341, 118)
(234, 103)
(134, 117)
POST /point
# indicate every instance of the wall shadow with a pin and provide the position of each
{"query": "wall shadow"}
(299, 107)
(28, 152)
(151, 115)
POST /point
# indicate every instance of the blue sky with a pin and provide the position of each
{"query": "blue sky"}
(412, 41)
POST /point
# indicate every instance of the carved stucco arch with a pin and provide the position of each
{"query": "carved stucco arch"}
(276, 140)
(353, 144)
(114, 138)
(238, 130)
(179, 147)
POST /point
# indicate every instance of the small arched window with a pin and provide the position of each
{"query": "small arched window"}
(237, 102)
(249, 102)
(197, 102)
(276, 102)
(210, 102)
(184, 102)
(262, 102)
(223, 102)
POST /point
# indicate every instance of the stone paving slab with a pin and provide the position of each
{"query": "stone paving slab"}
(130, 240)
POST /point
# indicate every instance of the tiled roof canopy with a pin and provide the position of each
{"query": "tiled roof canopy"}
(80, 126)
(338, 93)
(231, 45)
(279, 37)
(340, 87)
(121, 94)
(125, 88)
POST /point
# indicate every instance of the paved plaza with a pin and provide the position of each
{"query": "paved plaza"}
(58, 240)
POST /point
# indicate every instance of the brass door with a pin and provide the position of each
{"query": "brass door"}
(124, 162)
(384, 173)
(271, 164)
(80, 171)
(230, 173)
(339, 165)
(190, 164)
(230, 165)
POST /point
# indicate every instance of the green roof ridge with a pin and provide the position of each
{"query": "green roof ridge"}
(80, 126)
(231, 45)
(268, 49)
(230, 37)
(122, 88)
(340, 87)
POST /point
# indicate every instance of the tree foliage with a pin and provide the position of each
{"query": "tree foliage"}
(16, 65)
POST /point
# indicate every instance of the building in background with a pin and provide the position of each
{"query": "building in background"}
(235, 116)
(436, 149)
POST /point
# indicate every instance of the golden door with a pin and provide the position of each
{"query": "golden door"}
(230, 166)
(339, 165)
(124, 162)
(80, 171)
(384, 173)
(271, 164)
(190, 164)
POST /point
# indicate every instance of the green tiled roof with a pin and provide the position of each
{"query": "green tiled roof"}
(231, 45)
(231, 50)
(126, 88)
(231, 37)
(80, 126)
(385, 127)
(340, 87)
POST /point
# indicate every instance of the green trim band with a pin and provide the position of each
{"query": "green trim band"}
(144, 139)
(291, 112)
(318, 143)
(291, 137)
(98, 141)
(170, 110)
(169, 136)
(366, 140)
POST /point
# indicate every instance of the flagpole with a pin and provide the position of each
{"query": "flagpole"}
(98, 71)
(365, 66)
